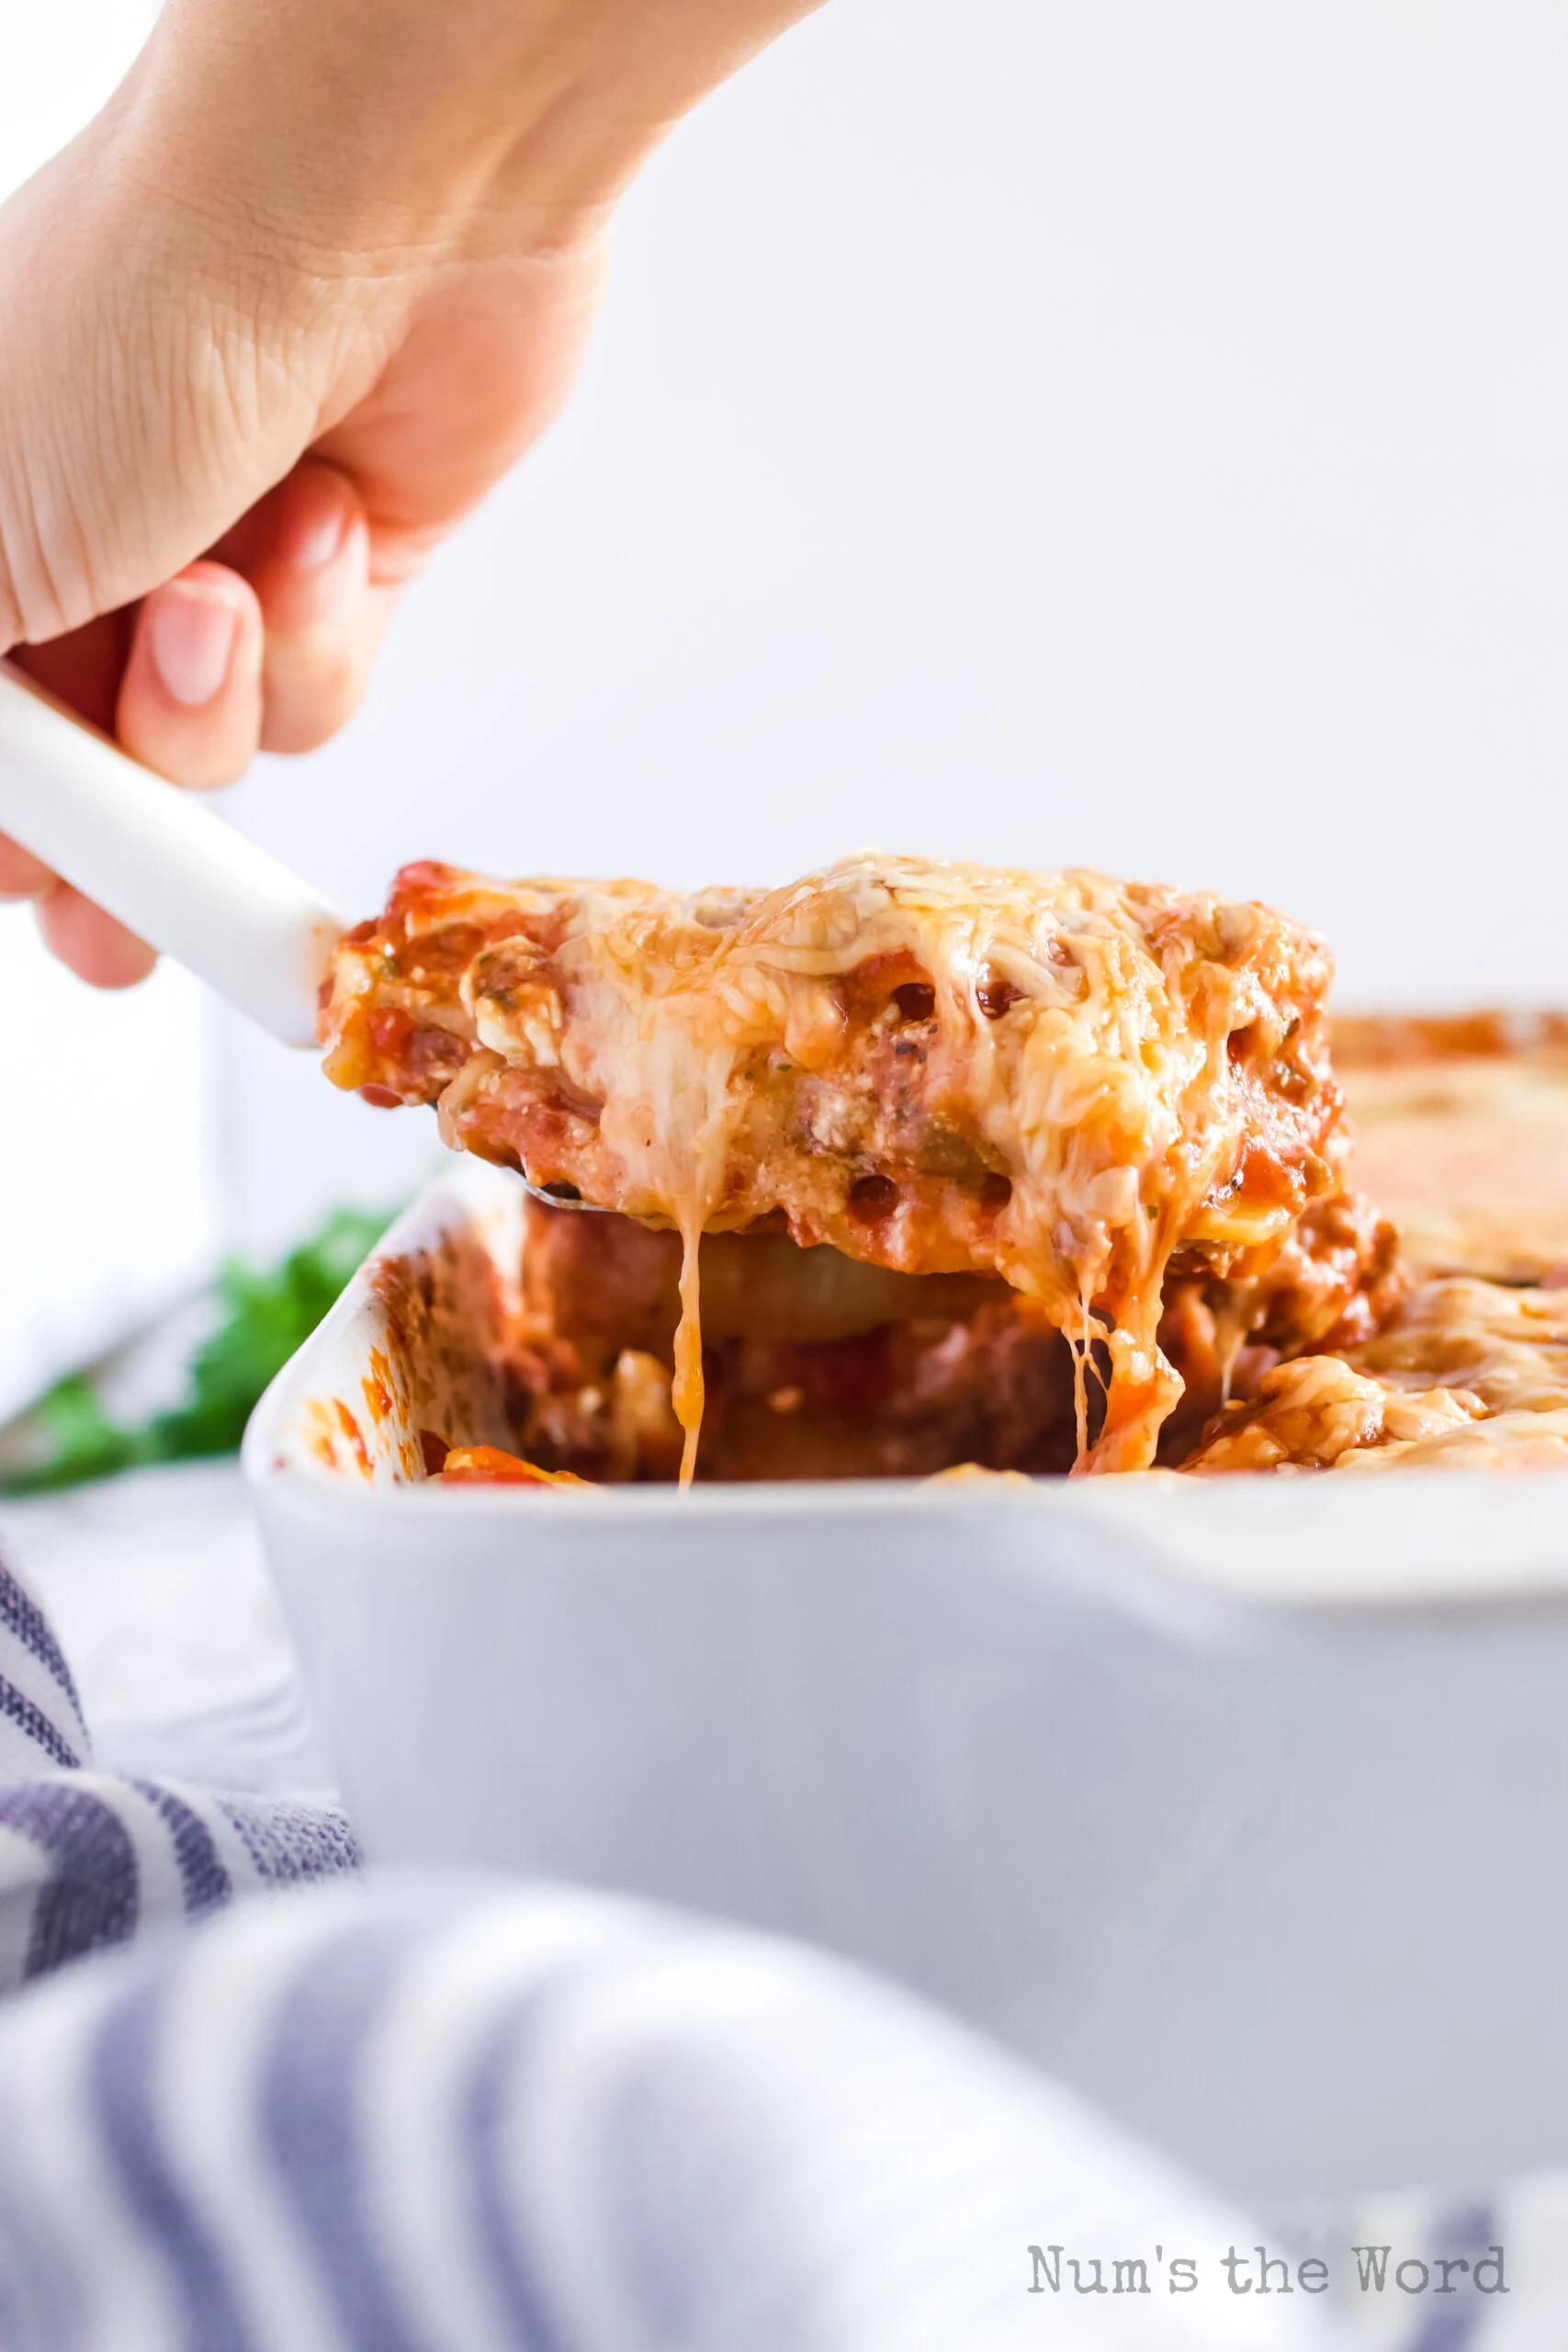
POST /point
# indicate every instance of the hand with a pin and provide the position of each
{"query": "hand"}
(315, 278)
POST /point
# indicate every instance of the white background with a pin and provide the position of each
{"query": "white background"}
(112, 1192)
(1135, 434)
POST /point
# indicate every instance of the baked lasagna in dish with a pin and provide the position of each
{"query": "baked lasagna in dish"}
(1462, 1136)
(1027, 1164)
(1462, 1128)
(1465, 1372)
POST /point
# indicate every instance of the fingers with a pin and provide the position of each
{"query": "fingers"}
(83, 670)
(268, 649)
(95, 948)
(323, 619)
(21, 875)
(190, 701)
(307, 551)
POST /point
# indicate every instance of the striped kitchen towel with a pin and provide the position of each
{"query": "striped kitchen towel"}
(88, 1858)
(429, 2114)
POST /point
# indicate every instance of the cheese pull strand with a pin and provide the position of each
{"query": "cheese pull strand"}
(687, 1392)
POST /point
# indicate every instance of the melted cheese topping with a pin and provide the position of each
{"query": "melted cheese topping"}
(1466, 1372)
(1060, 1079)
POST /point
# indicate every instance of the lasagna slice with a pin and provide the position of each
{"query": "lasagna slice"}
(1090, 1091)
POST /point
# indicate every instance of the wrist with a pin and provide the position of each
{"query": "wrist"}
(409, 128)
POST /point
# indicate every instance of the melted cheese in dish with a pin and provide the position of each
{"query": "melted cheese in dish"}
(1469, 1154)
(1465, 1373)
(1075, 1083)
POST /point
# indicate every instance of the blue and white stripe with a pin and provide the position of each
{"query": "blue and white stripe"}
(41, 1715)
(88, 1859)
(433, 2115)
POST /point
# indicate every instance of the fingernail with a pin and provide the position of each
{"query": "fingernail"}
(310, 536)
(190, 636)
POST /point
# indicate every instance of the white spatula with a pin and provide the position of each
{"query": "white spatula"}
(186, 882)
(182, 880)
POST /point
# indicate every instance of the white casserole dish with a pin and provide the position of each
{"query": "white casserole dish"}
(1242, 1805)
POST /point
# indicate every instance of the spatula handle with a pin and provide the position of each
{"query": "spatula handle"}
(185, 881)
